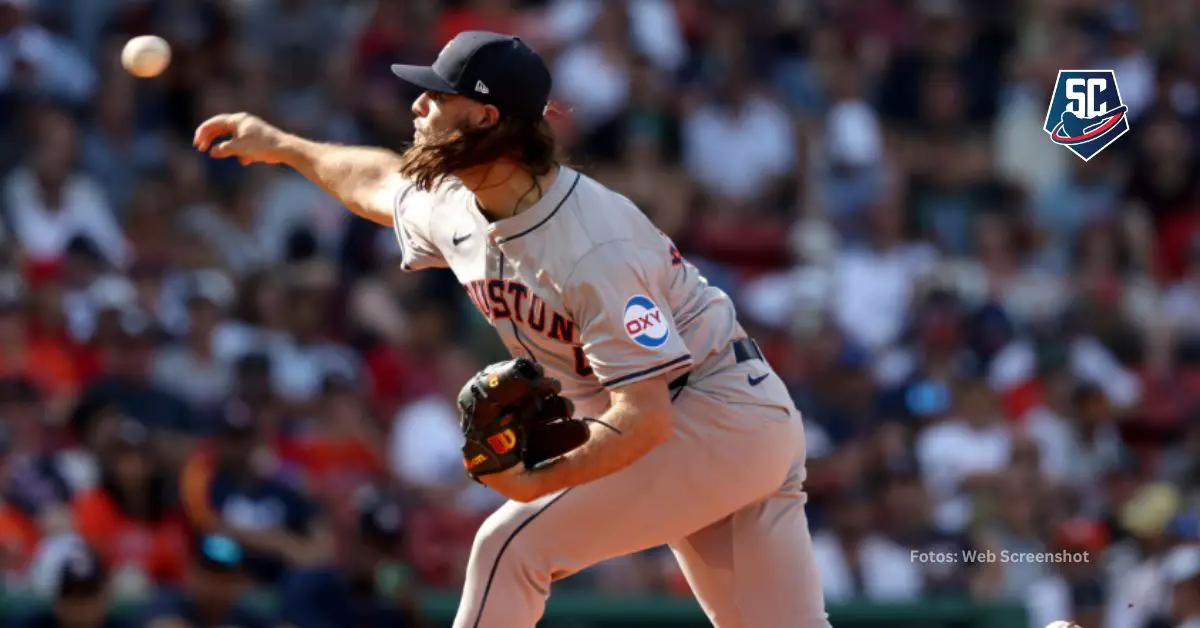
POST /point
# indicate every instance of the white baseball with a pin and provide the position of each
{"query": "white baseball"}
(1062, 624)
(146, 56)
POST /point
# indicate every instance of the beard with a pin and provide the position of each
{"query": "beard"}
(425, 138)
(422, 134)
(436, 155)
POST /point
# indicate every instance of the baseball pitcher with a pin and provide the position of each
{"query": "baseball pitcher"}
(636, 412)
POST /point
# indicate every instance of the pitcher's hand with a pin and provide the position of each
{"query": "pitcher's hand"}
(246, 137)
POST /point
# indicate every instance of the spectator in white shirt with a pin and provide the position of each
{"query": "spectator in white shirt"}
(1077, 436)
(853, 172)
(593, 75)
(49, 203)
(288, 204)
(873, 284)
(302, 360)
(1182, 300)
(1073, 589)
(1131, 62)
(1015, 529)
(230, 225)
(1019, 149)
(34, 60)
(857, 563)
(907, 518)
(112, 148)
(740, 144)
(964, 454)
(191, 369)
(425, 452)
(1139, 567)
(654, 28)
(1183, 572)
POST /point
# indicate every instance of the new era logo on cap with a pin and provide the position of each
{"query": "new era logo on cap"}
(481, 88)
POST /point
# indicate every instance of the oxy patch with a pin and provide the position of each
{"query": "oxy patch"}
(645, 322)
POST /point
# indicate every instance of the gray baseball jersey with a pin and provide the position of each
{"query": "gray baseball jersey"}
(585, 284)
(582, 282)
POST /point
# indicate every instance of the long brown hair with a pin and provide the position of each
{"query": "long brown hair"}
(432, 159)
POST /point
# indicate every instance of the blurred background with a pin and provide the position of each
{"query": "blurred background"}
(222, 403)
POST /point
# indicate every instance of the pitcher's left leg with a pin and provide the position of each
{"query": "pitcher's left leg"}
(775, 570)
(755, 568)
(706, 560)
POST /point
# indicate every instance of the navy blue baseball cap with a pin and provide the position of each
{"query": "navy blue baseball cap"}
(492, 68)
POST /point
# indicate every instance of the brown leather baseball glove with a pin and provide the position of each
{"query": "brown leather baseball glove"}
(511, 413)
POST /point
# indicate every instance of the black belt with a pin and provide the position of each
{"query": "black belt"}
(744, 350)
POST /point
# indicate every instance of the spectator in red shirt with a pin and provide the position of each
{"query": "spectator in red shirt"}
(339, 450)
(34, 484)
(474, 15)
(127, 518)
(42, 360)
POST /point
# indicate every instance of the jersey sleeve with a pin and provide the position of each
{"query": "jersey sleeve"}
(627, 332)
(412, 219)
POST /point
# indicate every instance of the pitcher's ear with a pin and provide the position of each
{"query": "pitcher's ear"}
(485, 116)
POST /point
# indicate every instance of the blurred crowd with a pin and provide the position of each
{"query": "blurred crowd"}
(214, 380)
